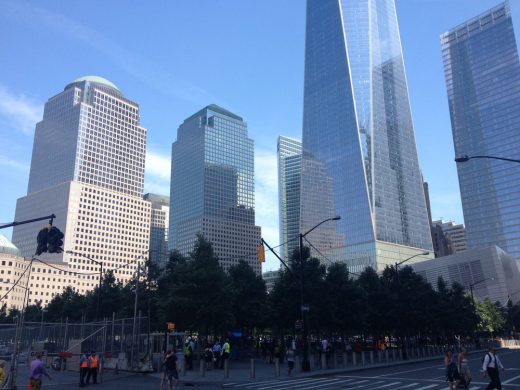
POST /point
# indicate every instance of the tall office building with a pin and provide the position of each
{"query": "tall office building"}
(359, 154)
(160, 214)
(87, 167)
(483, 81)
(456, 233)
(289, 175)
(213, 188)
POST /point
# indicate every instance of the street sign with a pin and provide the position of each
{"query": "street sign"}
(305, 307)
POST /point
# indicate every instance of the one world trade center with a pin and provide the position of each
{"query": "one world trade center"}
(359, 153)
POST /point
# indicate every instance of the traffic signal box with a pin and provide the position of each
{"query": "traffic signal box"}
(49, 239)
(261, 253)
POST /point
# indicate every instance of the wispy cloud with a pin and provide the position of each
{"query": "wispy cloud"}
(147, 71)
(18, 112)
(14, 164)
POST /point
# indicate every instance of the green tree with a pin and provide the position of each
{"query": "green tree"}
(67, 304)
(342, 304)
(492, 316)
(196, 294)
(249, 297)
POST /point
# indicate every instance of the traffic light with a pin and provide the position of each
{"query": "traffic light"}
(261, 253)
(43, 236)
(55, 240)
(170, 326)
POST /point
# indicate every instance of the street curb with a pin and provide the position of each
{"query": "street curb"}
(335, 371)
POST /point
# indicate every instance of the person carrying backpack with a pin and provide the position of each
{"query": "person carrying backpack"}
(491, 364)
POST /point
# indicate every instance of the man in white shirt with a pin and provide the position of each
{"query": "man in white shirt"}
(491, 365)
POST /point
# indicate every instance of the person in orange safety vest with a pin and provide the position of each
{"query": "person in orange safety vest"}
(84, 364)
(93, 368)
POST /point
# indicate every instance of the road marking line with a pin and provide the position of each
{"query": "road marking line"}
(321, 384)
(256, 383)
(288, 383)
(426, 387)
(511, 380)
(388, 384)
(410, 385)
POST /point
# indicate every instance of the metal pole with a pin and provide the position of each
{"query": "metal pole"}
(99, 289)
(475, 334)
(112, 338)
(305, 360)
(135, 316)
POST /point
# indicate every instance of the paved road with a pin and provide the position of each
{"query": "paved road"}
(418, 376)
(415, 376)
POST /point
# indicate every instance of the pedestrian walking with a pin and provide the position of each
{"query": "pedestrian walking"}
(37, 371)
(491, 365)
(84, 365)
(226, 351)
(464, 371)
(164, 370)
(188, 354)
(208, 357)
(93, 368)
(290, 359)
(171, 367)
(452, 374)
(216, 354)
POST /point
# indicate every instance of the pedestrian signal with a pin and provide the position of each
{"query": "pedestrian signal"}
(170, 326)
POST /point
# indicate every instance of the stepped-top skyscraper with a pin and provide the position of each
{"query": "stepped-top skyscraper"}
(87, 167)
(359, 153)
(213, 187)
(482, 71)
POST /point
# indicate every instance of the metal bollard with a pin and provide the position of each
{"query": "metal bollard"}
(371, 357)
(400, 354)
(335, 360)
(252, 371)
(298, 363)
(354, 359)
(362, 358)
(226, 368)
(323, 361)
(345, 362)
(393, 354)
(202, 368)
(386, 355)
(277, 367)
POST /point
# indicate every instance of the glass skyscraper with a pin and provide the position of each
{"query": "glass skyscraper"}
(212, 187)
(359, 154)
(289, 177)
(483, 80)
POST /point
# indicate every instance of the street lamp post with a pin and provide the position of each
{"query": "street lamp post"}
(465, 157)
(397, 264)
(477, 341)
(100, 277)
(425, 253)
(304, 308)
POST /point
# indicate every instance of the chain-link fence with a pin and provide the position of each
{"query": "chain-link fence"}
(124, 343)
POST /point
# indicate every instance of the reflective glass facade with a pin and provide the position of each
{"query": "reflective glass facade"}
(483, 81)
(289, 176)
(212, 187)
(359, 153)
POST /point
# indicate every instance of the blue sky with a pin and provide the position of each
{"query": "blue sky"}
(175, 57)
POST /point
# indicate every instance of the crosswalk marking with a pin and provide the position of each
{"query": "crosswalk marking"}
(387, 385)
(288, 383)
(426, 387)
(323, 384)
(410, 385)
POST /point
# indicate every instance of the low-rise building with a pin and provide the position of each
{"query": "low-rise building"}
(490, 272)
